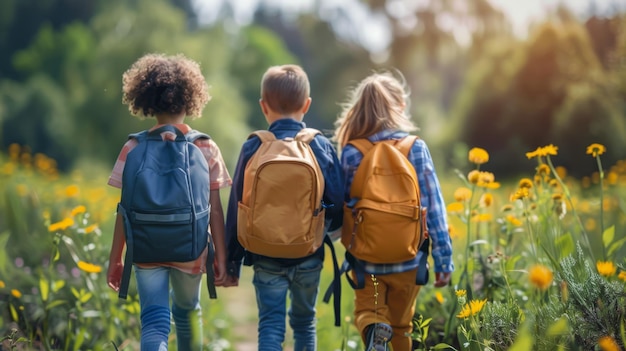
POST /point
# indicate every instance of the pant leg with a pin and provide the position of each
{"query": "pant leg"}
(303, 292)
(153, 289)
(271, 286)
(186, 310)
(370, 304)
(401, 296)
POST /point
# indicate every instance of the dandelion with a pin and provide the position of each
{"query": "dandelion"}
(540, 276)
(471, 309)
(439, 297)
(78, 210)
(478, 156)
(607, 343)
(16, 293)
(595, 149)
(606, 268)
(89, 267)
(543, 151)
(622, 276)
(460, 292)
(462, 194)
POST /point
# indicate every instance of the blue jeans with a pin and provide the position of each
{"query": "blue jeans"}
(272, 282)
(154, 299)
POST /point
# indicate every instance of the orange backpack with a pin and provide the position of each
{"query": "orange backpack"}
(280, 214)
(386, 223)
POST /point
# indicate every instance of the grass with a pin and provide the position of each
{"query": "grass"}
(540, 265)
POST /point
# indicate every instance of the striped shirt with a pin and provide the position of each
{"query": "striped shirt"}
(431, 197)
(219, 178)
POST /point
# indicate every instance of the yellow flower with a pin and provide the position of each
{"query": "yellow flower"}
(471, 308)
(543, 151)
(486, 200)
(62, 225)
(595, 149)
(483, 217)
(520, 194)
(606, 268)
(473, 176)
(455, 207)
(607, 343)
(525, 183)
(91, 228)
(543, 169)
(513, 220)
(540, 276)
(462, 194)
(78, 210)
(439, 297)
(506, 208)
(478, 156)
(622, 275)
(71, 191)
(460, 292)
(2, 285)
(16, 293)
(89, 267)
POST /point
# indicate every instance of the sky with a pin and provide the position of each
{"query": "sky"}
(374, 34)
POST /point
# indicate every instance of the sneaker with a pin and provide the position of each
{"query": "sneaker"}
(378, 335)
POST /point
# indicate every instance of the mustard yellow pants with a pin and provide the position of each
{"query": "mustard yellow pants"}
(394, 305)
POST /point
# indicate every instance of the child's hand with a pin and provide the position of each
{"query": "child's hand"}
(219, 269)
(114, 275)
(230, 281)
(442, 279)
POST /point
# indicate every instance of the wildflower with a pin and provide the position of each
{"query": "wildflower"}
(606, 268)
(543, 169)
(520, 194)
(486, 200)
(525, 183)
(483, 217)
(78, 210)
(478, 156)
(16, 293)
(472, 308)
(462, 194)
(452, 231)
(2, 285)
(460, 292)
(561, 171)
(607, 343)
(540, 276)
(473, 176)
(62, 225)
(71, 191)
(622, 275)
(595, 149)
(543, 151)
(439, 297)
(513, 220)
(89, 267)
(91, 228)
(455, 207)
(506, 208)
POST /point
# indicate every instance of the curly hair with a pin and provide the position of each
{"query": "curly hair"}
(157, 84)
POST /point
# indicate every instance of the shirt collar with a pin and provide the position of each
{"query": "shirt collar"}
(387, 134)
(287, 123)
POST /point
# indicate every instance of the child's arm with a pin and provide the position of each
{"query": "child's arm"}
(217, 232)
(116, 264)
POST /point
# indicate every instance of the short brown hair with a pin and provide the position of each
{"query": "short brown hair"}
(157, 83)
(285, 88)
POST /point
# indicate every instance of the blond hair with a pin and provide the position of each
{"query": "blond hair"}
(378, 102)
(285, 88)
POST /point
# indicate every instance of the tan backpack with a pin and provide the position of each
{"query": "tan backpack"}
(387, 223)
(280, 213)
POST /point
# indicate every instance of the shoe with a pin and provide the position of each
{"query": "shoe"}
(378, 335)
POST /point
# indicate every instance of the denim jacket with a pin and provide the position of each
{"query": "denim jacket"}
(333, 192)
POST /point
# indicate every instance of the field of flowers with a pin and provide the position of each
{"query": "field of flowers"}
(540, 263)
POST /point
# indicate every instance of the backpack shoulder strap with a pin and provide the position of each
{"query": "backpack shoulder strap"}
(264, 135)
(405, 144)
(307, 134)
(193, 135)
(363, 145)
(139, 135)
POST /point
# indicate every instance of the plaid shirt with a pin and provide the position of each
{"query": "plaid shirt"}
(431, 197)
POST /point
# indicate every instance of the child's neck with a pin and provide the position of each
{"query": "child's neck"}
(271, 118)
(168, 118)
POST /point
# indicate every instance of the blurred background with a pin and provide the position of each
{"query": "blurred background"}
(508, 76)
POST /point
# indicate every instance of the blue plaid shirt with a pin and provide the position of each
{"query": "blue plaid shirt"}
(431, 197)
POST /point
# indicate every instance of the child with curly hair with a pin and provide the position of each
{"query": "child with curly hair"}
(169, 89)
(384, 307)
